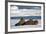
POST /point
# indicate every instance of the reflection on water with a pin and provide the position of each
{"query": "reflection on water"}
(25, 26)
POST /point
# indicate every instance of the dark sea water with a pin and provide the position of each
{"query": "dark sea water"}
(27, 17)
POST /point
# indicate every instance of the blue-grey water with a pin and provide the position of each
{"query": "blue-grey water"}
(27, 17)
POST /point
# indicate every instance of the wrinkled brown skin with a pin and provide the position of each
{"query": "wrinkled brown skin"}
(30, 23)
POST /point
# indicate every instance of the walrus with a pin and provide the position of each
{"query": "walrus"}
(29, 22)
